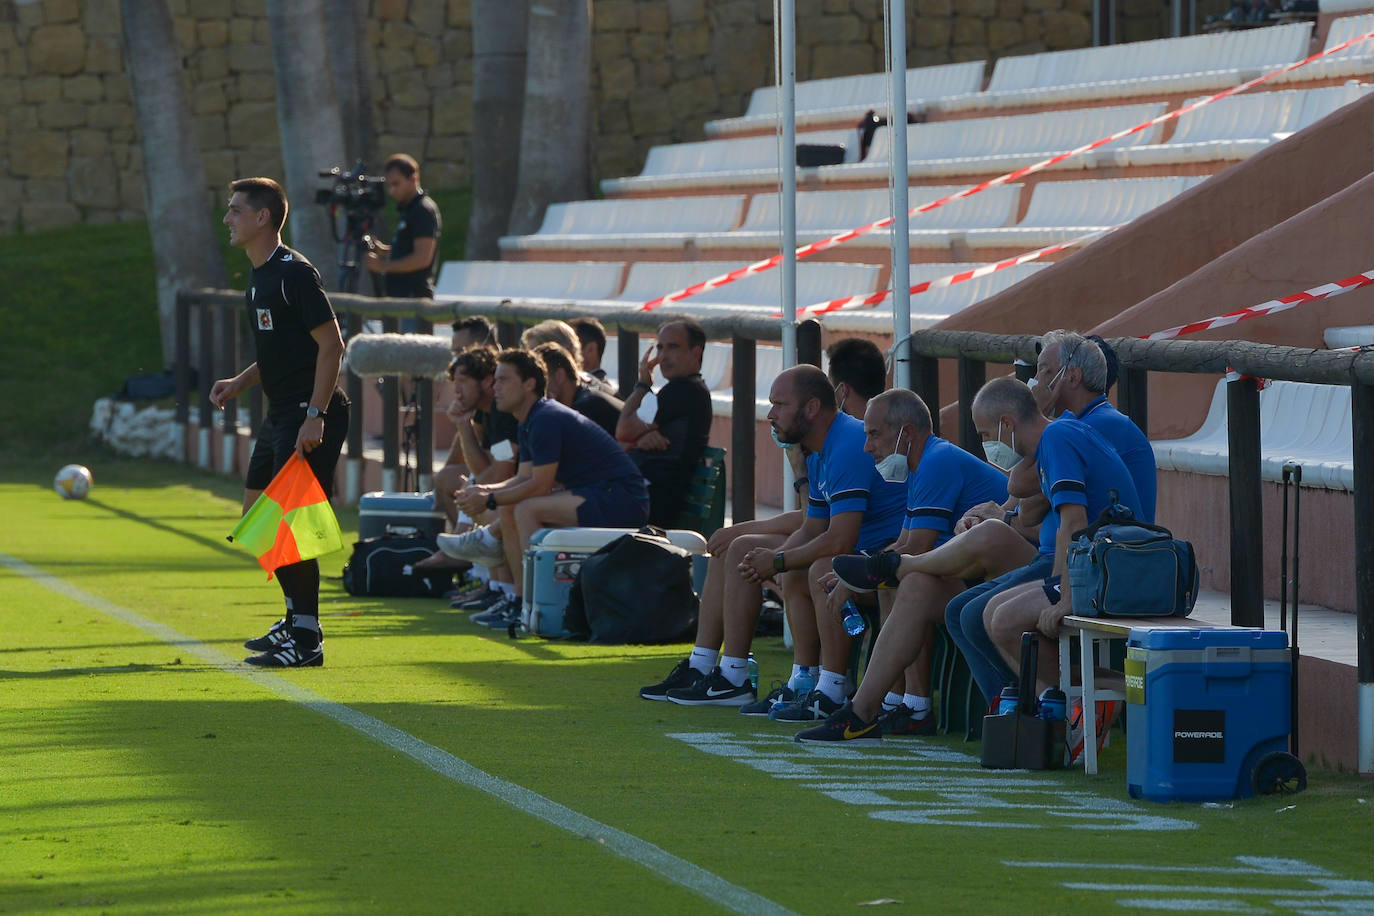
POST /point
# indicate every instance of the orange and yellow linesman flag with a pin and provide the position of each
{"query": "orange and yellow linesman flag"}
(291, 521)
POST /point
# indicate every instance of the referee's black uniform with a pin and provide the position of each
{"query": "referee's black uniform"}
(286, 301)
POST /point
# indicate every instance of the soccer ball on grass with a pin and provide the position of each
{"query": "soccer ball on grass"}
(73, 482)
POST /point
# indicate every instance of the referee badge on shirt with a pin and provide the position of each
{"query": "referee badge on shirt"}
(264, 319)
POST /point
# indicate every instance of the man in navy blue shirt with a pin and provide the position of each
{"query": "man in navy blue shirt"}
(943, 483)
(849, 507)
(570, 472)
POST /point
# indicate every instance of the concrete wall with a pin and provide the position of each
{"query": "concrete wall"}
(661, 69)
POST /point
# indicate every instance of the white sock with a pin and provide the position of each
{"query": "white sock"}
(735, 670)
(480, 573)
(488, 541)
(919, 705)
(507, 588)
(891, 701)
(832, 685)
(702, 660)
(463, 518)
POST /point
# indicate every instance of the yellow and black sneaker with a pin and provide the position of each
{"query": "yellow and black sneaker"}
(868, 573)
(844, 727)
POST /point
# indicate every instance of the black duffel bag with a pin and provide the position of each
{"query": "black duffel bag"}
(382, 567)
(635, 589)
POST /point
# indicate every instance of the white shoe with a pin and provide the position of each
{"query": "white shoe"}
(470, 546)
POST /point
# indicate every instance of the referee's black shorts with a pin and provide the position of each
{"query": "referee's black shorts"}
(277, 440)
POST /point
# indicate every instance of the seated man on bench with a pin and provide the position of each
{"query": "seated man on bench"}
(571, 473)
(943, 483)
(1077, 471)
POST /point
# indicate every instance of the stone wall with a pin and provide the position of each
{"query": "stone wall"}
(661, 69)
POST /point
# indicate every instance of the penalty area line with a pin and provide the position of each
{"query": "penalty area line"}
(641, 852)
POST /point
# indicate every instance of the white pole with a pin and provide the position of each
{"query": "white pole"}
(1365, 711)
(901, 238)
(787, 209)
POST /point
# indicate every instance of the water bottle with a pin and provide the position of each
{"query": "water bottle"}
(854, 622)
(805, 681)
(1053, 705)
(753, 672)
(1008, 701)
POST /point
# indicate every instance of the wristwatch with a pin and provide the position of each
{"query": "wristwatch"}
(491, 501)
(312, 412)
(779, 565)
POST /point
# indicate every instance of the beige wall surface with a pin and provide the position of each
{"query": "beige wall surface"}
(661, 69)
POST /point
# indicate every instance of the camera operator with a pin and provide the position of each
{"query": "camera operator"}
(408, 262)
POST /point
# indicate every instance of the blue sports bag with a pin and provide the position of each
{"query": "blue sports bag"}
(1120, 567)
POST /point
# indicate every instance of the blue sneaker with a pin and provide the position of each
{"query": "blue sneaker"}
(778, 697)
(813, 707)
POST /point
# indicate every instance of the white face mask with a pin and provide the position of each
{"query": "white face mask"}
(893, 468)
(1000, 455)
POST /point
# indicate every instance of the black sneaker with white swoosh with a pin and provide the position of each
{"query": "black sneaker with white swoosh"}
(713, 690)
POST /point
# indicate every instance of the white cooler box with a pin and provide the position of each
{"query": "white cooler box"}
(398, 513)
(554, 557)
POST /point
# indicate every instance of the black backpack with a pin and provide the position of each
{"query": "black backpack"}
(382, 567)
(636, 589)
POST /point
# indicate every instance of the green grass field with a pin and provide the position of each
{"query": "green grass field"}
(147, 771)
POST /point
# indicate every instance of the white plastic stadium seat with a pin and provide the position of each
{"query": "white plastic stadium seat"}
(639, 223)
(821, 214)
(933, 306)
(715, 163)
(492, 281)
(848, 97)
(1356, 60)
(1062, 210)
(1300, 423)
(1193, 63)
(767, 366)
(1361, 335)
(1240, 126)
(1000, 144)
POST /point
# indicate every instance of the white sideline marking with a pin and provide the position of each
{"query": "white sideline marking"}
(641, 852)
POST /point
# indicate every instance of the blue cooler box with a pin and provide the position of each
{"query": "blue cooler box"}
(555, 557)
(398, 513)
(1203, 706)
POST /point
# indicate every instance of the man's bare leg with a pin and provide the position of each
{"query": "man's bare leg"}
(920, 602)
(1017, 611)
(985, 551)
(742, 601)
(447, 480)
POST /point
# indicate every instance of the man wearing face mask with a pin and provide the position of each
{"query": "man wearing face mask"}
(943, 482)
(849, 505)
(1078, 469)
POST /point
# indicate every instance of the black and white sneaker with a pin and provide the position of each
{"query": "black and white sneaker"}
(713, 690)
(480, 600)
(681, 677)
(278, 634)
(813, 707)
(288, 655)
(501, 614)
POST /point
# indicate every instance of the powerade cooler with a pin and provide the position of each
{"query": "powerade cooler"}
(554, 558)
(1204, 707)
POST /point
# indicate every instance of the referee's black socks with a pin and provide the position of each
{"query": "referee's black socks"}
(300, 583)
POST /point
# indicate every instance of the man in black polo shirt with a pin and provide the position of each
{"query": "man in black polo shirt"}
(298, 353)
(408, 262)
(568, 387)
(667, 448)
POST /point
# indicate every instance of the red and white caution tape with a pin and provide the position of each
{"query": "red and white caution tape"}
(857, 302)
(805, 251)
(1273, 306)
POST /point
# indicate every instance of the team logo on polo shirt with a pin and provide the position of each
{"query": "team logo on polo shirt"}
(264, 319)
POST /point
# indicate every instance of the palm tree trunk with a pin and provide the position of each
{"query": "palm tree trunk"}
(498, 98)
(185, 248)
(345, 25)
(309, 123)
(555, 134)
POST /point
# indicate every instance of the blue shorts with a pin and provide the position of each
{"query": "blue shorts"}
(611, 505)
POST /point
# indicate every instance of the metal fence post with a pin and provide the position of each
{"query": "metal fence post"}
(183, 368)
(627, 361)
(972, 374)
(1134, 396)
(1247, 510)
(391, 423)
(742, 430)
(809, 342)
(1362, 440)
(925, 381)
(229, 350)
(206, 361)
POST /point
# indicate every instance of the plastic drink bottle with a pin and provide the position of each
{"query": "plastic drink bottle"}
(854, 622)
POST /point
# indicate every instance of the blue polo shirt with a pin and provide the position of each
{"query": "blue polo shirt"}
(947, 483)
(845, 479)
(1130, 443)
(585, 455)
(1079, 467)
